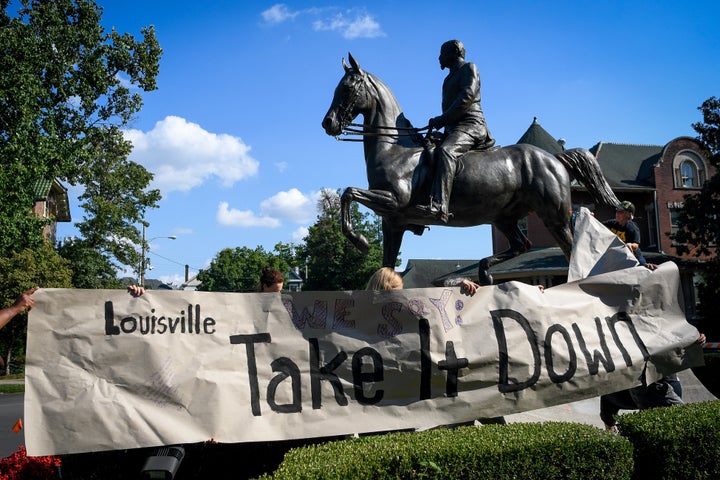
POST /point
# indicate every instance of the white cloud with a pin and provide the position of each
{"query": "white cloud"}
(243, 218)
(299, 234)
(278, 13)
(281, 166)
(361, 25)
(182, 155)
(293, 206)
(351, 24)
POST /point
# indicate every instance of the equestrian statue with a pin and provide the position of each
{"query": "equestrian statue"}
(497, 185)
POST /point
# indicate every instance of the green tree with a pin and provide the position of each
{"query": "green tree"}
(67, 88)
(698, 227)
(41, 267)
(291, 253)
(333, 262)
(238, 270)
(90, 267)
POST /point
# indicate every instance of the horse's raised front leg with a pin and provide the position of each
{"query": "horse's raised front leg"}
(379, 201)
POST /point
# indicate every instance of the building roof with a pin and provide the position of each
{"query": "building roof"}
(537, 261)
(293, 277)
(41, 192)
(425, 273)
(628, 167)
(538, 136)
(533, 263)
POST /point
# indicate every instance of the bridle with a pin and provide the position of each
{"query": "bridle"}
(401, 132)
(345, 116)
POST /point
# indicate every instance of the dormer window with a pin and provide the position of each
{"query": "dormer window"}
(688, 174)
(689, 170)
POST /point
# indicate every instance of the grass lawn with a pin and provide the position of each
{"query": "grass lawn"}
(12, 387)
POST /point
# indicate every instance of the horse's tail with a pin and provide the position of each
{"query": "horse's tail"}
(585, 168)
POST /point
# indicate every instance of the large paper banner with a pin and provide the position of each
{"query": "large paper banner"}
(106, 370)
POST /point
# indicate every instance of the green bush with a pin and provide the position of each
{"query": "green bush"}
(709, 374)
(527, 451)
(676, 442)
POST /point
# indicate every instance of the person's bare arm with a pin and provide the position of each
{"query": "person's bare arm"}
(23, 302)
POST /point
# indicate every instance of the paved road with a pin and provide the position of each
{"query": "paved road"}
(11, 408)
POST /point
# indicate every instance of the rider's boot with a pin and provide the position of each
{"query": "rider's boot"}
(442, 186)
(435, 210)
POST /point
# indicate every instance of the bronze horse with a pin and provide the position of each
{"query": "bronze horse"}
(497, 187)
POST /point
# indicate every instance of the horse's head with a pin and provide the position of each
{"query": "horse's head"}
(349, 99)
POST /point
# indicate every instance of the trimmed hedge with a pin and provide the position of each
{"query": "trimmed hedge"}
(675, 442)
(709, 374)
(527, 451)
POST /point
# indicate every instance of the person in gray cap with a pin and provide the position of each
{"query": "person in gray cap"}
(628, 231)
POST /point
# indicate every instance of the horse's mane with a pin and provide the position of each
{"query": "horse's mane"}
(383, 91)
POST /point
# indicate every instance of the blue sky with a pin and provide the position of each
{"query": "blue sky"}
(233, 133)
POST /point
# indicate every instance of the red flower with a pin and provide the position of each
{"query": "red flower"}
(19, 466)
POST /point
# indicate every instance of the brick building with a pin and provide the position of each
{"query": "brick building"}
(51, 201)
(654, 177)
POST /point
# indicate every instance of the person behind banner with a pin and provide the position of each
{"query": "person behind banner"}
(385, 278)
(23, 303)
(468, 287)
(628, 231)
(665, 392)
(271, 280)
(135, 290)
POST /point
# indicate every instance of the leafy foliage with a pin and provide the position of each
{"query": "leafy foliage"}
(675, 442)
(90, 268)
(238, 270)
(67, 88)
(41, 267)
(291, 253)
(551, 450)
(333, 262)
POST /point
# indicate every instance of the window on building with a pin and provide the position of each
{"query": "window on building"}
(523, 225)
(652, 226)
(689, 170)
(674, 214)
(688, 174)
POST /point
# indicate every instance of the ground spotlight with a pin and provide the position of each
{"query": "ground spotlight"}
(164, 463)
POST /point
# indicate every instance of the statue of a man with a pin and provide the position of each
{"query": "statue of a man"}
(464, 124)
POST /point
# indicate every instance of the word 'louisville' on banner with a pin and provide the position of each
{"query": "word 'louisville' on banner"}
(106, 370)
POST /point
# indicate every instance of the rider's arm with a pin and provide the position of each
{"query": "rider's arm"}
(468, 93)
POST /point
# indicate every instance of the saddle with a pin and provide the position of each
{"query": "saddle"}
(433, 138)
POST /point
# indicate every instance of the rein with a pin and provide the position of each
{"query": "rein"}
(401, 132)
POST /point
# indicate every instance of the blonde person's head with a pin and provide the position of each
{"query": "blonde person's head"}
(385, 278)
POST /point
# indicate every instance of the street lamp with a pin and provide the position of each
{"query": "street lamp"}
(143, 249)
